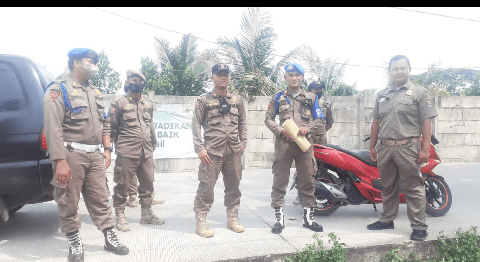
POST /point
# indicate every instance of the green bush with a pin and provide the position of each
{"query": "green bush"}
(311, 253)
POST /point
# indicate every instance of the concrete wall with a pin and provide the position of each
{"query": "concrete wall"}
(457, 127)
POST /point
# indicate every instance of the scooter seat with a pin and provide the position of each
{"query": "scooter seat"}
(363, 155)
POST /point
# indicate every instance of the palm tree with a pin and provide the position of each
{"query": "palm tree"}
(251, 55)
(184, 69)
(329, 72)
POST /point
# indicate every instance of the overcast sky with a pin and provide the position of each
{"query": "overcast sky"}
(369, 37)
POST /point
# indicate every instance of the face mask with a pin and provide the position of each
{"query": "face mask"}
(319, 94)
(135, 87)
(90, 71)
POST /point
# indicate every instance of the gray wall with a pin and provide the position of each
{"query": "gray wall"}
(457, 127)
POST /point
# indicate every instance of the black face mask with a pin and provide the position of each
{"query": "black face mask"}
(319, 94)
(224, 106)
(135, 87)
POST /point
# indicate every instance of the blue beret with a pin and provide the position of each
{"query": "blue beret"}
(79, 53)
(294, 67)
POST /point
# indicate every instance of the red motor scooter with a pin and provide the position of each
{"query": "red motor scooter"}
(350, 177)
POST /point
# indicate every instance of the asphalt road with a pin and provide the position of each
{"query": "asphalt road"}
(32, 233)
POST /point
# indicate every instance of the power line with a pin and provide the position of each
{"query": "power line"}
(460, 18)
(374, 66)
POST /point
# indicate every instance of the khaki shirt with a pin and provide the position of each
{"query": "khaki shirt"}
(61, 124)
(327, 111)
(300, 113)
(132, 126)
(401, 111)
(219, 130)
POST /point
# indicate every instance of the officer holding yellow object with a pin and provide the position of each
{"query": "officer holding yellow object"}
(133, 133)
(75, 128)
(302, 107)
(223, 118)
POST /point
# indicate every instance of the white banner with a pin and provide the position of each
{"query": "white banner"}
(174, 135)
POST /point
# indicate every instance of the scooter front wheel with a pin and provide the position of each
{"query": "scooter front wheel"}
(438, 195)
(325, 206)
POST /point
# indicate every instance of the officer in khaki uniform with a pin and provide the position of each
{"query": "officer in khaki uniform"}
(223, 118)
(302, 107)
(133, 133)
(402, 114)
(319, 136)
(75, 127)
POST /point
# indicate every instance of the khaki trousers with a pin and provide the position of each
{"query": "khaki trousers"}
(231, 167)
(285, 152)
(125, 169)
(399, 164)
(89, 178)
(133, 187)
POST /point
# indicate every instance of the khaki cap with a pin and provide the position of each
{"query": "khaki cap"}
(133, 72)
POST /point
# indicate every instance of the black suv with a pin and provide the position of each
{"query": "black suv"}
(25, 170)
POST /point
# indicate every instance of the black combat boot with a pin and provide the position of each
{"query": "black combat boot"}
(112, 243)
(279, 220)
(75, 252)
(308, 220)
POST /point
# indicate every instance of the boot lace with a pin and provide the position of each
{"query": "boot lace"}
(75, 243)
(113, 239)
(278, 215)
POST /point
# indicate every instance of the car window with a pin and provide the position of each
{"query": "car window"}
(11, 95)
(46, 75)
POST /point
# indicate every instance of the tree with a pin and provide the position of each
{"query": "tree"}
(250, 54)
(343, 90)
(329, 72)
(150, 71)
(107, 79)
(182, 71)
(450, 81)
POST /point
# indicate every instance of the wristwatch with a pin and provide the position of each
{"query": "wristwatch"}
(108, 148)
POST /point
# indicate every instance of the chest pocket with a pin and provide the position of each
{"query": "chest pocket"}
(384, 106)
(306, 113)
(76, 104)
(147, 118)
(100, 107)
(284, 112)
(130, 118)
(214, 117)
(407, 105)
(234, 115)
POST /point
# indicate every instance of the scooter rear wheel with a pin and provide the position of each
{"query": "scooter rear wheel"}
(325, 206)
(439, 196)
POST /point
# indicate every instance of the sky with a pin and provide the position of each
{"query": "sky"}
(365, 36)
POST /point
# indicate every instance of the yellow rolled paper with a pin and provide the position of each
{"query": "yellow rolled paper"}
(293, 129)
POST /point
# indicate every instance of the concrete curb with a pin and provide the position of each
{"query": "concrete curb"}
(423, 250)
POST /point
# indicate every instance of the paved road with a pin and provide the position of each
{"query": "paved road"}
(32, 234)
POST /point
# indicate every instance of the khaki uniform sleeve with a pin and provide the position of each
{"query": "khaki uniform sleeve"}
(53, 114)
(114, 116)
(329, 115)
(105, 125)
(242, 123)
(153, 136)
(426, 109)
(375, 112)
(270, 115)
(197, 125)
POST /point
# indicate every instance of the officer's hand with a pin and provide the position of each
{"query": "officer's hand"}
(423, 155)
(302, 132)
(373, 154)
(287, 135)
(203, 155)
(62, 172)
(108, 158)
